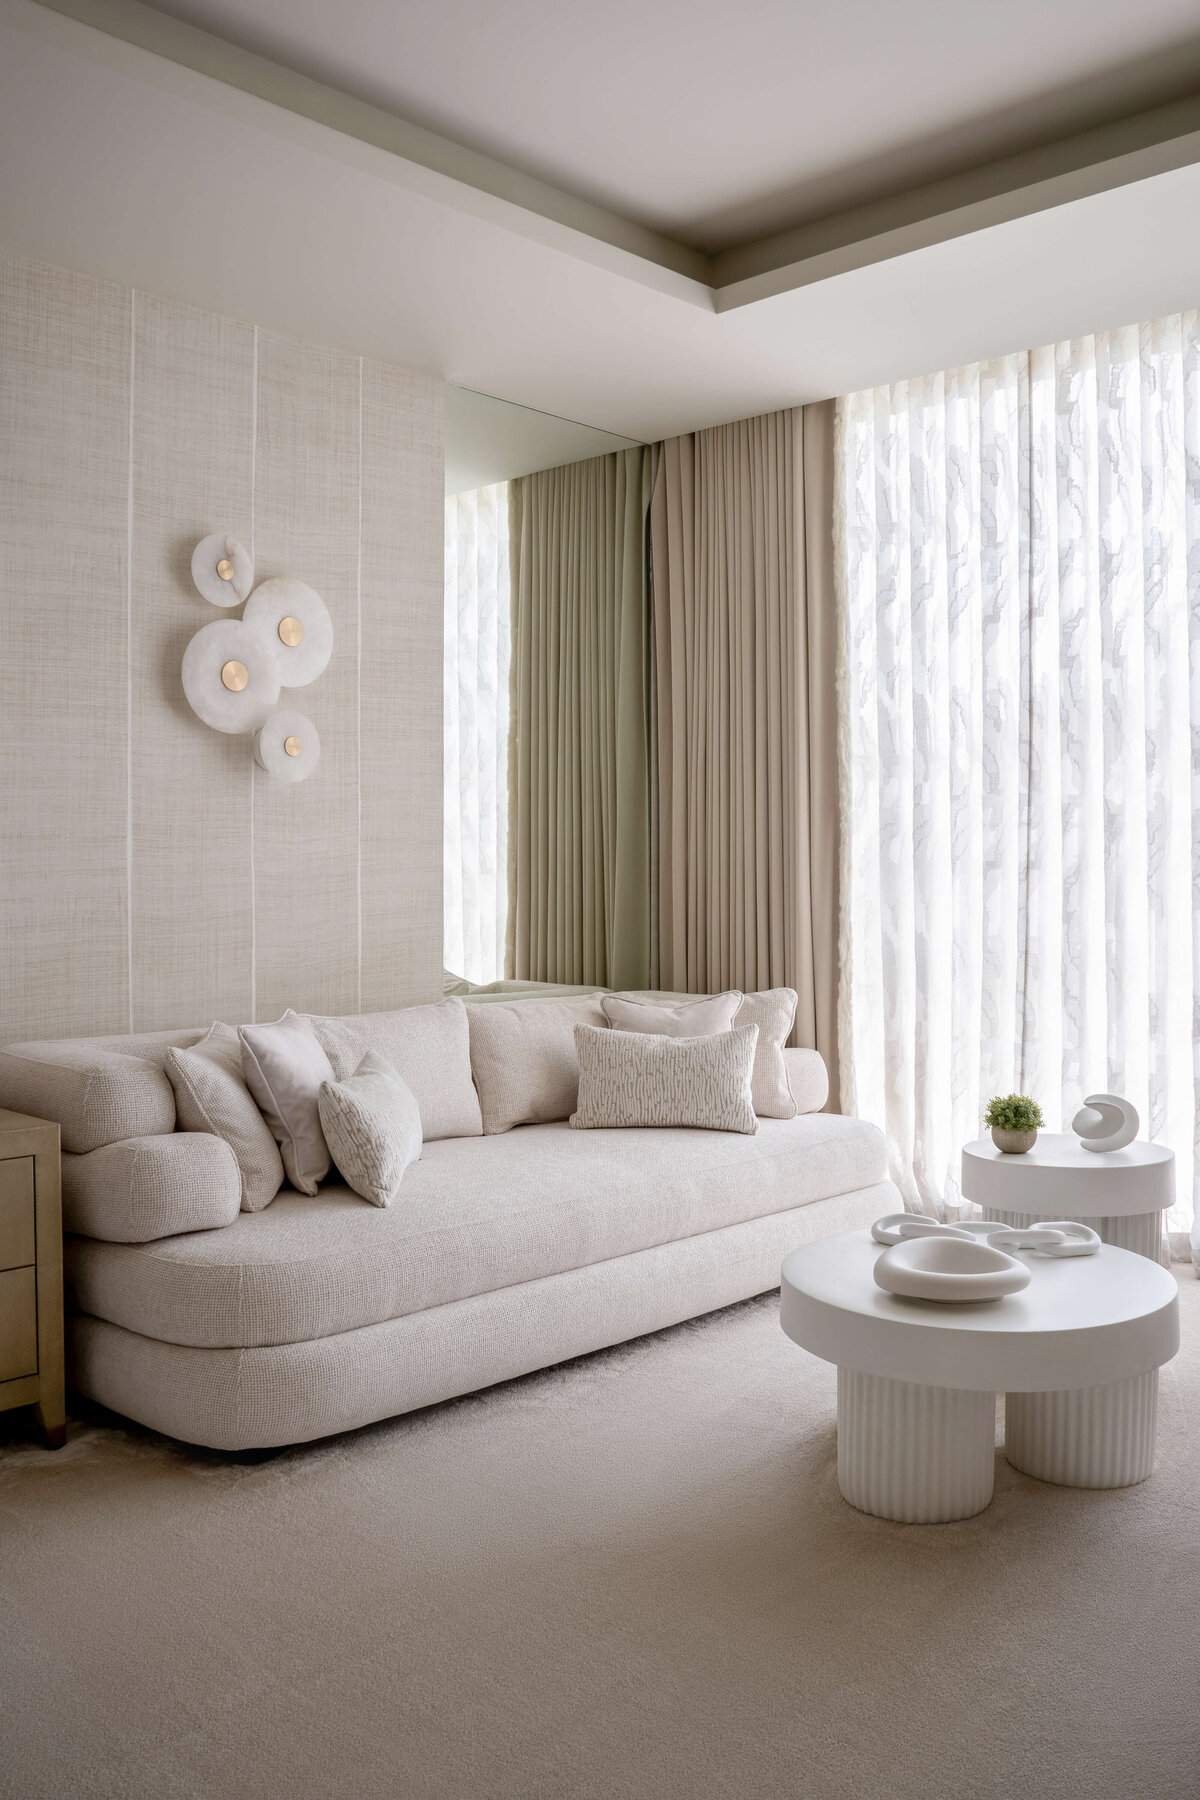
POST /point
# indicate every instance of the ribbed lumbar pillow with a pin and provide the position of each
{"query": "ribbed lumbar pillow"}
(636, 1078)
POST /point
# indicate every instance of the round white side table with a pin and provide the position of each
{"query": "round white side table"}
(1077, 1354)
(1122, 1194)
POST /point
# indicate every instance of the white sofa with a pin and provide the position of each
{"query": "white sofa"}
(503, 1253)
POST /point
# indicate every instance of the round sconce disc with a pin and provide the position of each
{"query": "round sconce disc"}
(297, 621)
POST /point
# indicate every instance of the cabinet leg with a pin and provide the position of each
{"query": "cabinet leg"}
(52, 1417)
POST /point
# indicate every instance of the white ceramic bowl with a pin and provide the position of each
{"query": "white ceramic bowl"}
(950, 1269)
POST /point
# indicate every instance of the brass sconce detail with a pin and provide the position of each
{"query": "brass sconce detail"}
(225, 569)
(290, 631)
(291, 746)
(234, 676)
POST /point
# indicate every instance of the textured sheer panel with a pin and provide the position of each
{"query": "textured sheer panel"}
(1019, 677)
(476, 732)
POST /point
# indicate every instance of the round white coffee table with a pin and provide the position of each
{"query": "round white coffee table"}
(1077, 1354)
(1121, 1194)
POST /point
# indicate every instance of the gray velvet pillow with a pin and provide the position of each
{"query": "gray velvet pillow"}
(211, 1095)
(372, 1124)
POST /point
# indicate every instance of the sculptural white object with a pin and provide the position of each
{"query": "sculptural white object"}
(231, 676)
(288, 746)
(222, 569)
(954, 1270)
(296, 620)
(1105, 1122)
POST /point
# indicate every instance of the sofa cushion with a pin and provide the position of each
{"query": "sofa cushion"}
(773, 1010)
(372, 1125)
(98, 1095)
(151, 1187)
(672, 1018)
(211, 1096)
(284, 1064)
(524, 1060)
(641, 1079)
(429, 1048)
(478, 1214)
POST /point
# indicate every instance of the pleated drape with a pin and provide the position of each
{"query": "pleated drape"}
(745, 652)
(1020, 613)
(580, 747)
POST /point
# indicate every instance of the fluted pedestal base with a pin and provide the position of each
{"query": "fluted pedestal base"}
(1140, 1232)
(920, 1455)
(1099, 1437)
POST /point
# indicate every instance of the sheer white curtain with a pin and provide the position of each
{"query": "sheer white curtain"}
(1019, 683)
(476, 732)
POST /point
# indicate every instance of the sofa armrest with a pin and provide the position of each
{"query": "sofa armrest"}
(151, 1187)
(808, 1078)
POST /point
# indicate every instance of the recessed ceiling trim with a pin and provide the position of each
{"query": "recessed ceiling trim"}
(169, 54)
(1092, 162)
(205, 69)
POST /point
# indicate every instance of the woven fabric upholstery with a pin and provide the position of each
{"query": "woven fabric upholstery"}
(477, 1213)
(773, 1010)
(98, 1095)
(524, 1060)
(286, 1394)
(211, 1096)
(429, 1048)
(151, 1187)
(637, 1078)
(372, 1125)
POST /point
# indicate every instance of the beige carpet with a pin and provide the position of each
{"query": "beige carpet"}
(629, 1577)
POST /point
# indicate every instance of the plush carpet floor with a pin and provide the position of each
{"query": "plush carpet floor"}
(629, 1577)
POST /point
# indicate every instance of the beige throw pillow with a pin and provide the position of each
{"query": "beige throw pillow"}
(372, 1125)
(773, 1011)
(523, 1058)
(672, 1018)
(211, 1095)
(634, 1078)
(284, 1066)
(429, 1048)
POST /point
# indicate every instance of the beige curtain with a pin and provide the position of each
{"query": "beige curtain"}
(580, 746)
(745, 644)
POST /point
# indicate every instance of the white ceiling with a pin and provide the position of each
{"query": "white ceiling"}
(134, 166)
(716, 122)
(493, 440)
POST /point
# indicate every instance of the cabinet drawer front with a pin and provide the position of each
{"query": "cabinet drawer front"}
(16, 1212)
(18, 1323)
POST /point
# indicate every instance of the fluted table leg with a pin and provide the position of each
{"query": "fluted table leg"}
(1098, 1437)
(1139, 1232)
(920, 1455)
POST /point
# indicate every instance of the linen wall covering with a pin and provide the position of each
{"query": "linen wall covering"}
(476, 681)
(150, 875)
(742, 561)
(579, 801)
(1020, 639)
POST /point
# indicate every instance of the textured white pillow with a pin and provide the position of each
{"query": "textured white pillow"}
(688, 1017)
(523, 1058)
(372, 1124)
(284, 1066)
(429, 1048)
(629, 1078)
(211, 1095)
(773, 1011)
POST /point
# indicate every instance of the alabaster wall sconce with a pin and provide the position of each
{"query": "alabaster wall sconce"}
(233, 669)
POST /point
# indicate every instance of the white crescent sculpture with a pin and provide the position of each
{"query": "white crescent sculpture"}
(1105, 1122)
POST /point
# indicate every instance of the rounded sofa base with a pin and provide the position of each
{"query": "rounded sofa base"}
(240, 1399)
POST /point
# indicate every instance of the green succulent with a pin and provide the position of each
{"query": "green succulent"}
(1013, 1112)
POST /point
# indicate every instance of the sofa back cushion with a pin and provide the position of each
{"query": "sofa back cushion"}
(98, 1096)
(524, 1060)
(429, 1048)
(151, 1187)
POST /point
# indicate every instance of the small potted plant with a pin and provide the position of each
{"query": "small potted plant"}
(1014, 1119)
